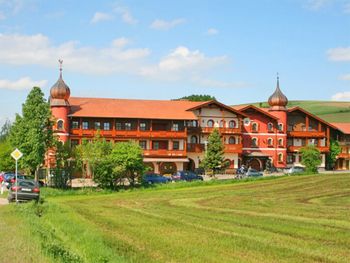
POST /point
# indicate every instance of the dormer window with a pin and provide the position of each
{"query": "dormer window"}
(210, 123)
(222, 124)
(232, 124)
(232, 140)
(60, 125)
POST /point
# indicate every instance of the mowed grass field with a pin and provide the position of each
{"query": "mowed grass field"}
(330, 111)
(287, 219)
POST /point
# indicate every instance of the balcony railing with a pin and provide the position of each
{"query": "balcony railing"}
(297, 148)
(222, 130)
(314, 134)
(131, 133)
(164, 153)
(233, 148)
(195, 147)
(344, 155)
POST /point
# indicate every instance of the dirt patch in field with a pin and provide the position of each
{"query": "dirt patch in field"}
(3, 201)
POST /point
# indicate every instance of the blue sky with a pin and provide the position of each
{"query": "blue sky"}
(168, 49)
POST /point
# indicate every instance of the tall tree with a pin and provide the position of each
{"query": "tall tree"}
(198, 97)
(334, 150)
(32, 132)
(5, 130)
(311, 158)
(214, 155)
(6, 161)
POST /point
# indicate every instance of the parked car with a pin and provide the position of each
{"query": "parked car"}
(10, 178)
(153, 178)
(186, 176)
(26, 190)
(295, 170)
(253, 173)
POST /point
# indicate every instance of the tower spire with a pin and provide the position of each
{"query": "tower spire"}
(278, 101)
(61, 62)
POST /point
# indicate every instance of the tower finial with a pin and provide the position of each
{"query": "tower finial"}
(278, 80)
(60, 61)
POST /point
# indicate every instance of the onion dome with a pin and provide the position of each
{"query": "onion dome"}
(278, 101)
(60, 92)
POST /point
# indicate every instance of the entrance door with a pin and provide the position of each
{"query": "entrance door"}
(255, 164)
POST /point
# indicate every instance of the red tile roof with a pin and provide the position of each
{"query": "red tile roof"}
(264, 111)
(127, 108)
(343, 127)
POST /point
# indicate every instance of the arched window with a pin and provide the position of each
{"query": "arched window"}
(232, 124)
(59, 125)
(280, 126)
(269, 141)
(280, 157)
(280, 142)
(270, 127)
(254, 127)
(232, 140)
(255, 142)
(210, 123)
(194, 139)
(222, 124)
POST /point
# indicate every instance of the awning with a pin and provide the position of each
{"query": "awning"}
(181, 160)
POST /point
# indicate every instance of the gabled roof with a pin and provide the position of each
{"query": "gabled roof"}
(129, 108)
(343, 127)
(219, 104)
(246, 107)
(297, 108)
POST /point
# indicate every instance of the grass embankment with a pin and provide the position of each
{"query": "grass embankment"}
(289, 219)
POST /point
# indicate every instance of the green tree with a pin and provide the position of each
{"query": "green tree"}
(311, 158)
(32, 132)
(128, 161)
(334, 150)
(7, 163)
(195, 97)
(5, 130)
(61, 174)
(214, 155)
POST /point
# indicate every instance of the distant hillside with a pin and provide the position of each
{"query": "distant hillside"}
(331, 111)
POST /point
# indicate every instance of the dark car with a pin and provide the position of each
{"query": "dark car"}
(186, 176)
(153, 178)
(26, 190)
(253, 173)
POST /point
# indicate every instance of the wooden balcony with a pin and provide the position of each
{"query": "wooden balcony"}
(297, 148)
(168, 134)
(233, 148)
(222, 130)
(307, 134)
(164, 153)
(131, 133)
(344, 155)
(195, 147)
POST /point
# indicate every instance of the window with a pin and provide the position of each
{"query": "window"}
(280, 142)
(118, 126)
(232, 140)
(254, 142)
(143, 144)
(232, 124)
(270, 127)
(176, 145)
(222, 124)
(194, 139)
(280, 127)
(155, 145)
(106, 126)
(210, 123)
(75, 125)
(60, 125)
(269, 142)
(74, 143)
(280, 157)
(175, 127)
(128, 126)
(290, 158)
(254, 127)
(142, 126)
(85, 125)
(97, 125)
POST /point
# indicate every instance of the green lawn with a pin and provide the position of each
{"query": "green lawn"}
(288, 219)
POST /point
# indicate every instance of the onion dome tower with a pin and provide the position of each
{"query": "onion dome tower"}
(59, 95)
(278, 101)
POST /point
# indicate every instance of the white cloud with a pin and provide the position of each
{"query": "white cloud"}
(38, 50)
(339, 54)
(318, 4)
(125, 15)
(341, 96)
(21, 84)
(159, 24)
(345, 77)
(99, 16)
(212, 31)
